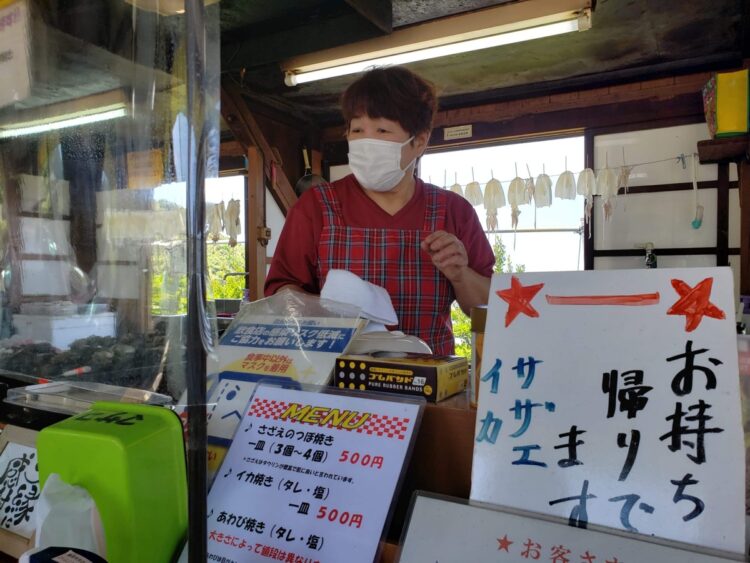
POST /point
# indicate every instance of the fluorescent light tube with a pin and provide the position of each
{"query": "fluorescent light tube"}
(578, 22)
(61, 122)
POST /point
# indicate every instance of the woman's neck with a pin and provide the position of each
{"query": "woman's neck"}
(394, 200)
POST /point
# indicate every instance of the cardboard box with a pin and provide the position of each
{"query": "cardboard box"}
(433, 377)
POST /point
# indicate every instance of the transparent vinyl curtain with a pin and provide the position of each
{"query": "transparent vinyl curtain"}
(109, 125)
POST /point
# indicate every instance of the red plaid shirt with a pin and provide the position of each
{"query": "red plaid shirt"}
(385, 246)
(392, 258)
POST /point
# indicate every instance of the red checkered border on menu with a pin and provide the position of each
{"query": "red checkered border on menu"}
(378, 425)
(267, 408)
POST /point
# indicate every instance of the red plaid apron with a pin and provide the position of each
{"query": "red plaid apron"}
(391, 258)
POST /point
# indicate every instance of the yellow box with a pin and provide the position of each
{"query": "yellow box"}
(725, 103)
(433, 377)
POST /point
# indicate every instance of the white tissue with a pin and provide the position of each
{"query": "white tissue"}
(66, 516)
(373, 300)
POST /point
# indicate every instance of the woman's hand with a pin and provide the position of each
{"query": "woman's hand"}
(448, 254)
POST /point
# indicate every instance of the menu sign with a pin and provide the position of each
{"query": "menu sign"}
(309, 477)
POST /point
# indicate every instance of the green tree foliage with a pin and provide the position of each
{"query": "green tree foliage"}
(222, 260)
(169, 282)
(461, 322)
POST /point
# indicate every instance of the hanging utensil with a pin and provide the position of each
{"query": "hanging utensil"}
(308, 180)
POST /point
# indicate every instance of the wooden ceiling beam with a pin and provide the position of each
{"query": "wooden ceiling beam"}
(247, 132)
(377, 12)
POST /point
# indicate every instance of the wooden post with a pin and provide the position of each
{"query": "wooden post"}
(588, 225)
(743, 170)
(722, 215)
(247, 131)
(255, 214)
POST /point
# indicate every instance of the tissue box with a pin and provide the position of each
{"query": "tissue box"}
(131, 460)
(725, 103)
(433, 377)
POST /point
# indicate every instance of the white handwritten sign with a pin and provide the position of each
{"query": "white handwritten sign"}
(310, 476)
(442, 530)
(19, 488)
(612, 397)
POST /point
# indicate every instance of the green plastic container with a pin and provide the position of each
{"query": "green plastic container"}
(131, 459)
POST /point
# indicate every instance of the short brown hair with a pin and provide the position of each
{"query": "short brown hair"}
(395, 93)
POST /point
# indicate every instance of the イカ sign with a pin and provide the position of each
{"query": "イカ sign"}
(612, 397)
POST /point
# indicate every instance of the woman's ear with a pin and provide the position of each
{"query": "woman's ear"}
(420, 141)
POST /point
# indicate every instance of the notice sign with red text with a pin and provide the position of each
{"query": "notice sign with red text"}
(443, 529)
(612, 398)
(309, 477)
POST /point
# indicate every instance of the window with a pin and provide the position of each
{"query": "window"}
(546, 239)
(225, 243)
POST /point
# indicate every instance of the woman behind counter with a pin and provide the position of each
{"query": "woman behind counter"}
(423, 244)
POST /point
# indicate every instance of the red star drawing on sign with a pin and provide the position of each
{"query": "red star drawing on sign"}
(694, 303)
(504, 543)
(518, 298)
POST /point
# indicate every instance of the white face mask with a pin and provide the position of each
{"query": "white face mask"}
(377, 164)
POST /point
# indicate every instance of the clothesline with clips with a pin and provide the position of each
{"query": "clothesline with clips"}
(539, 192)
(681, 158)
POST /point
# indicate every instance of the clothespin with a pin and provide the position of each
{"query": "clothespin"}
(681, 160)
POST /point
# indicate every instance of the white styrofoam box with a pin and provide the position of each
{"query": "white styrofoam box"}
(48, 237)
(118, 281)
(649, 145)
(662, 218)
(45, 277)
(115, 251)
(139, 199)
(36, 189)
(50, 308)
(61, 332)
